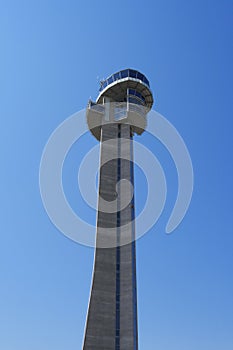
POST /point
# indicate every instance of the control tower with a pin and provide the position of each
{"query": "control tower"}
(119, 112)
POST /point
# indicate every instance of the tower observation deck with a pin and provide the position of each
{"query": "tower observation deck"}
(119, 111)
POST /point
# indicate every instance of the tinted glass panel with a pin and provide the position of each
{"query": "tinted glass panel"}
(124, 73)
(131, 92)
(103, 85)
(140, 96)
(146, 81)
(132, 73)
(140, 76)
(110, 80)
(116, 76)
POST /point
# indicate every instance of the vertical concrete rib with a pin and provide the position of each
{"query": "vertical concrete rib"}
(128, 316)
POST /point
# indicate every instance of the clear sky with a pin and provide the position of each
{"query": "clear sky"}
(52, 55)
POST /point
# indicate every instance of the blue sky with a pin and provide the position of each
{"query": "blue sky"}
(52, 55)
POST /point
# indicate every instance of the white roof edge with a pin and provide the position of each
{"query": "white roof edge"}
(121, 81)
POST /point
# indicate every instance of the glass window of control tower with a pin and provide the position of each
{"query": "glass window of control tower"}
(110, 80)
(124, 73)
(132, 73)
(116, 76)
(140, 76)
(135, 100)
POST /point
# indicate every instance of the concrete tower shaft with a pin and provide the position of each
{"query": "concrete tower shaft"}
(120, 110)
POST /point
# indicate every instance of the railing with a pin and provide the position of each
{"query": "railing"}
(96, 107)
(120, 109)
(141, 110)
